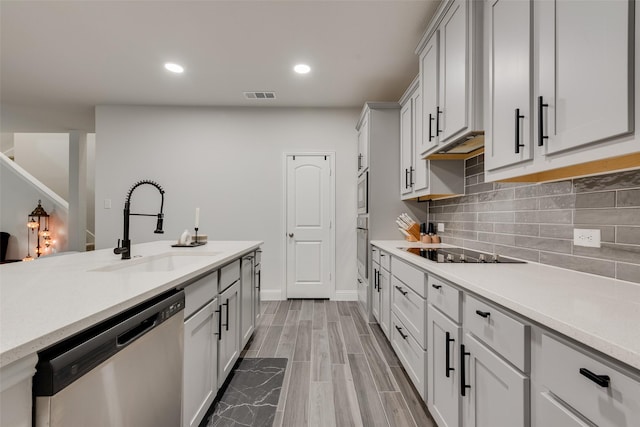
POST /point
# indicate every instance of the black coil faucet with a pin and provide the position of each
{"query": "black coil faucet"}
(125, 249)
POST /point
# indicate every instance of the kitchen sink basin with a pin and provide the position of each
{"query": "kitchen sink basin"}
(157, 263)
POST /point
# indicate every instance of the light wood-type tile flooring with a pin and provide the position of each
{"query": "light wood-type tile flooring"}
(341, 371)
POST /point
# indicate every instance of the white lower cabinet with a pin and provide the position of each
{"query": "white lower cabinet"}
(200, 382)
(443, 369)
(375, 292)
(384, 287)
(552, 412)
(493, 392)
(229, 340)
(410, 353)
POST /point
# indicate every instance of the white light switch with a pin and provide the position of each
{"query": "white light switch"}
(441, 227)
(107, 203)
(586, 237)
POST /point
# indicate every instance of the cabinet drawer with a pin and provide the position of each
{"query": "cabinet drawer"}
(616, 404)
(506, 335)
(229, 274)
(199, 293)
(375, 254)
(410, 276)
(550, 412)
(411, 308)
(412, 356)
(385, 261)
(445, 297)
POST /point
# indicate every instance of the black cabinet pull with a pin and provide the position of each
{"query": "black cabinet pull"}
(484, 314)
(404, 337)
(447, 354)
(359, 161)
(375, 278)
(378, 279)
(402, 291)
(463, 381)
(431, 119)
(219, 334)
(436, 286)
(517, 139)
(259, 279)
(406, 178)
(226, 326)
(601, 380)
(359, 281)
(541, 135)
(438, 112)
(411, 169)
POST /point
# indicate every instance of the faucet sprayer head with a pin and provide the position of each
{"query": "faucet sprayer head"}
(159, 224)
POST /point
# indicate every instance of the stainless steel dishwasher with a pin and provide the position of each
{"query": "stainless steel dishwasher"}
(124, 372)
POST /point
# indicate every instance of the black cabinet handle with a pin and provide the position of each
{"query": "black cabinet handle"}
(226, 326)
(382, 255)
(359, 161)
(219, 334)
(484, 314)
(404, 337)
(601, 380)
(411, 169)
(359, 281)
(431, 119)
(447, 354)
(402, 291)
(438, 112)
(541, 135)
(463, 381)
(378, 280)
(406, 178)
(259, 280)
(517, 139)
(436, 286)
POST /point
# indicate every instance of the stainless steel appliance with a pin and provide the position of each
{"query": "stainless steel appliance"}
(461, 255)
(126, 371)
(363, 194)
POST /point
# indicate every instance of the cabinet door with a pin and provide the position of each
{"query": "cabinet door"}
(363, 145)
(585, 71)
(508, 127)
(247, 295)
(444, 378)
(551, 412)
(199, 381)
(229, 344)
(384, 286)
(406, 148)
(420, 177)
(496, 394)
(454, 71)
(375, 293)
(429, 84)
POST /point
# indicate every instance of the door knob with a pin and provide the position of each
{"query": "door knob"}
(290, 234)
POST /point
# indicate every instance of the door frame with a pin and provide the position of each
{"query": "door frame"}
(332, 208)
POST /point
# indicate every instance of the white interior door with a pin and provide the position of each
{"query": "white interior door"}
(309, 220)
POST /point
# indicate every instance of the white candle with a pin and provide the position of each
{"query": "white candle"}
(197, 217)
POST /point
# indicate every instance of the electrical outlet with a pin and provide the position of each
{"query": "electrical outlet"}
(441, 227)
(107, 203)
(586, 237)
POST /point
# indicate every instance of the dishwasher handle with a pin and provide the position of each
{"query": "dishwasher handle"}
(137, 331)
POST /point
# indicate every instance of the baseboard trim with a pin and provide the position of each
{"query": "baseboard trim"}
(346, 296)
(270, 294)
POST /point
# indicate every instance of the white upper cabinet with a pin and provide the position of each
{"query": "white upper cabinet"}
(508, 131)
(567, 67)
(451, 76)
(363, 145)
(406, 148)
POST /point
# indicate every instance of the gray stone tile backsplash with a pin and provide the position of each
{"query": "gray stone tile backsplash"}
(535, 222)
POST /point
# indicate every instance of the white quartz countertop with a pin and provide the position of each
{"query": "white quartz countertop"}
(52, 298)
(599, 312)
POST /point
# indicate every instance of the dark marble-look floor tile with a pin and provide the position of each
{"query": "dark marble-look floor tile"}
(251, 397)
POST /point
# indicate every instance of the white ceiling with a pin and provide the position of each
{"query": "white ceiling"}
(72, 55)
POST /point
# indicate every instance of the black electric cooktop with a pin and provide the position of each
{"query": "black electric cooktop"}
(460, 255)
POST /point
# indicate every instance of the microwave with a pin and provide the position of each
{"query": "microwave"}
(363, 193)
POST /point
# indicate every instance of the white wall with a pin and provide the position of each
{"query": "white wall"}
(46, 157)
(228, 162)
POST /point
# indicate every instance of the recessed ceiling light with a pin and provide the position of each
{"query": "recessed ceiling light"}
(302, 68)
(174, 68)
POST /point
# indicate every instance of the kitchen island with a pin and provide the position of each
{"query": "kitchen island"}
(44, 302)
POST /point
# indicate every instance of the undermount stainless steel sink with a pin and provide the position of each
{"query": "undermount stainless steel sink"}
(156, 263)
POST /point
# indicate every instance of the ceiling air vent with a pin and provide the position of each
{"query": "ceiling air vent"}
(260, 95)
